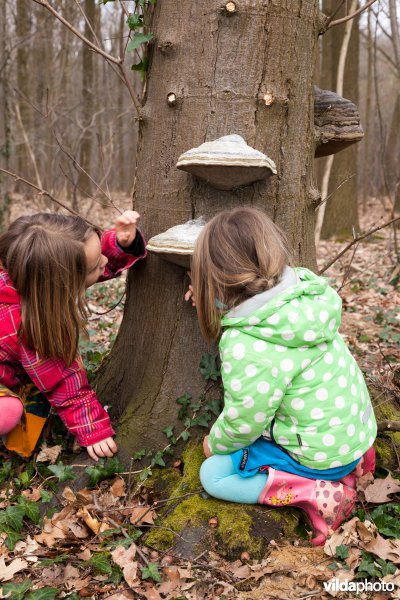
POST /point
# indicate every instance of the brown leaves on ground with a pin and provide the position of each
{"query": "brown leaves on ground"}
(379, 491)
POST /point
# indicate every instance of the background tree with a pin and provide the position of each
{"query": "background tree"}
(341, 210)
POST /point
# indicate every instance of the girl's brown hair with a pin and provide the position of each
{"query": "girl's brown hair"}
(239, 253)
(44, 255)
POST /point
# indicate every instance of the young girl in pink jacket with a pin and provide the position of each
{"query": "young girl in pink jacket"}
(47, 262)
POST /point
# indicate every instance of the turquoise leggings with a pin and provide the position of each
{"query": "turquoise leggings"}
(219, 479)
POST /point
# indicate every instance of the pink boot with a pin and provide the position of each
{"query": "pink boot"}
(11, 409)
(326, 503)
(366, 465)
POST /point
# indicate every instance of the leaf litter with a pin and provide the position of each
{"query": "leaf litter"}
(88, 544)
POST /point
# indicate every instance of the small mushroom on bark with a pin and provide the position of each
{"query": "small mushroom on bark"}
(336, 123)
(227, 163)
(177, 243)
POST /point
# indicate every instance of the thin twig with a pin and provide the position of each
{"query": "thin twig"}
(79, 166)
(335, 190)
(43, 192)
(355, 241)
(335, 12)
(388, 425)
(348, 17)
(116, 61)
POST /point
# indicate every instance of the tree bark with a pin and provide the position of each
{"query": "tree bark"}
(88, 104)
(5, 129)
(23, 22)
(341, 214)
(220, 67)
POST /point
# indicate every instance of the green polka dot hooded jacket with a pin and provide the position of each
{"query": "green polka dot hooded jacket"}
(288, 375)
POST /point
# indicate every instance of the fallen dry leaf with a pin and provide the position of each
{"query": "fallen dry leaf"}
(68, 494)
(84, 555)
(32, 494)
(118, 488)
(49, 454)
(124, 558)
(90, 521)
(384, 548)
(378, 492)
(7, 572)
(141, 515)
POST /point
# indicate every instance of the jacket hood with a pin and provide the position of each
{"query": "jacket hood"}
(300, 311)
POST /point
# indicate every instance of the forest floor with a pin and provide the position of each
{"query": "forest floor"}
(88, 543)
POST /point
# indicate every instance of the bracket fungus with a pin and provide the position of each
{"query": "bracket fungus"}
(177, 243)
(227, 163)
(336, 122)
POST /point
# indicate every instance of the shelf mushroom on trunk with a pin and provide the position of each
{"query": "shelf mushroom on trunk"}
(177, 243)
(336, 123)
(227, 163)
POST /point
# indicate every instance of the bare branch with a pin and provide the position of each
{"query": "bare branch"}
(357, 239)
(388, 426)
(116, 61)
(80, 168)
(348, 17)
(28, 144)
(50, 196)
(333, 15)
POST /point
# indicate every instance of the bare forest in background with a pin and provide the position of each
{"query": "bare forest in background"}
(69, 126)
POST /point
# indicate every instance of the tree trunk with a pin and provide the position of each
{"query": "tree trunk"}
(88, 78)
(341, 213)
(5, 128)
(220, 67)
(23, 21)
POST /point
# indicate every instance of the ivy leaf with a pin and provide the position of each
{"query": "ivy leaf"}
(145, 474)
(214, 406)
(158, 459)
(31, 509)
(135, 21)
(142, 67)
(342, 551)
(184, 402)
(12, 537)
(100, 563)
(202, 420)
(15, 516)
(138, 40)
(208, 366)
(62, 472)
(168, 431)
(16, 591)
(45, 496)
(46, 593)
(185, 435)
(139, 454)
(104, 470)
(151, 572)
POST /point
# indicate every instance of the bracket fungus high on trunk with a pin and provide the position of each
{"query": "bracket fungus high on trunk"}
(336, 122)
(227, 163)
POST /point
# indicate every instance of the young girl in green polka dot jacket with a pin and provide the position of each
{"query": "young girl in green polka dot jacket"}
(297, 427)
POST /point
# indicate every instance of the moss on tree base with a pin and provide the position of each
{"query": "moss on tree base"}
(237, 527)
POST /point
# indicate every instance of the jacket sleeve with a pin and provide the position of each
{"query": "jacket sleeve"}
(253, 391)
(69, 393)
(120, 258)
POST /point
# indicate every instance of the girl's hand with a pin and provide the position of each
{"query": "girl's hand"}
(125, 227)
(189, 294)
(206, 448)
(102, 449)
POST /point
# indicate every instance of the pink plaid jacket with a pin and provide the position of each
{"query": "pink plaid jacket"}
(66, 388)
